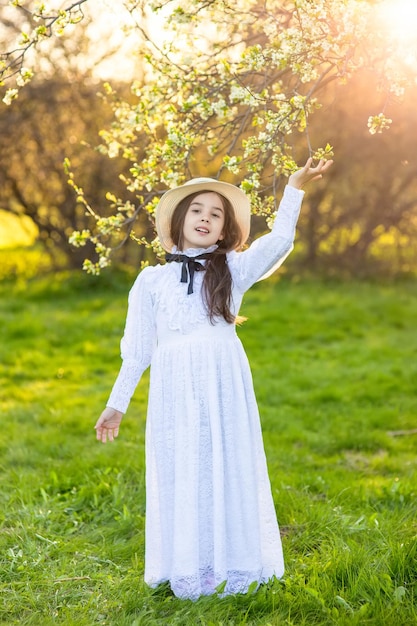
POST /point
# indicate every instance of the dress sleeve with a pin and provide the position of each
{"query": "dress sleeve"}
(268, 252)
(137, 344)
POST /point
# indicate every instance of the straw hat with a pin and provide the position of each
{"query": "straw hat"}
(169, 201)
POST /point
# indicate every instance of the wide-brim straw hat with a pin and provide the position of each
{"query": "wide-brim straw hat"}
(169, 201)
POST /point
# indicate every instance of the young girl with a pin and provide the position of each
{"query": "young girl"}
(210, 514)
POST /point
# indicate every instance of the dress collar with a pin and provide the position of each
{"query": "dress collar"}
(191, 252)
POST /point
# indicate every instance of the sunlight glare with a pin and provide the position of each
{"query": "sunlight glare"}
(400, 19)
(397, 21)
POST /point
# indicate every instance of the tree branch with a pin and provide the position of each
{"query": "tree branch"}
(11, 62)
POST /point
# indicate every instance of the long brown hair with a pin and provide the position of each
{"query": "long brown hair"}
(217, 283)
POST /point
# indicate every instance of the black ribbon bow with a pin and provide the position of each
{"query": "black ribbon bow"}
(189, 266)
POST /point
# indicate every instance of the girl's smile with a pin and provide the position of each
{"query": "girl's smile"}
(204, 221)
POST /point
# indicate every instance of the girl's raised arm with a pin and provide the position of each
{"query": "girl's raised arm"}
(268, 252)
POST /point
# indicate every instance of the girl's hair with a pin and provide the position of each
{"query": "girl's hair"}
(217, 283)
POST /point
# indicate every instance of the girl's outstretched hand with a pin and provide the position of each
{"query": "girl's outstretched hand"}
(307, 173)
(107, 426)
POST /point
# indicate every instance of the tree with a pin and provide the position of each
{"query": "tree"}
(363, 220)
(238, 109)
(24, 29)
(232, 89)
(32, 153)
(58, 115)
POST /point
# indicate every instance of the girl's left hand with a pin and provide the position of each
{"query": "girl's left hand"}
(308, 173)
(107, 425)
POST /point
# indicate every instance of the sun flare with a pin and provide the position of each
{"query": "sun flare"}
(399, 19)
(396, 21)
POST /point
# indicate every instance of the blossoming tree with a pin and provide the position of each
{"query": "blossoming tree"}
(230, 85)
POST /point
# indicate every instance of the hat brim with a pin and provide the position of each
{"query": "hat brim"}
(169, 201)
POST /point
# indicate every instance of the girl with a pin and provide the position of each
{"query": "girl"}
(210, 514)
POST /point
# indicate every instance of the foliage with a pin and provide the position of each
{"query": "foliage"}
(230, 88)
(362, 220)
(231, 91)
(338, 405)
(57, 115)
(32, 178)
(40, 22)
(21, 264)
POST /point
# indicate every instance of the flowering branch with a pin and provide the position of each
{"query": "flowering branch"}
(49, 22)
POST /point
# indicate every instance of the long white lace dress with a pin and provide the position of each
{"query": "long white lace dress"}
(210, 516)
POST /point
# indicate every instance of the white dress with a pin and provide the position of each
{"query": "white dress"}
(210, 517)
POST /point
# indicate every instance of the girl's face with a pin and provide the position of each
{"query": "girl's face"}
(204, 221)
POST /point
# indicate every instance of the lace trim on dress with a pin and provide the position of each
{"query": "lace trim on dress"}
(184, 311)
(207, 583)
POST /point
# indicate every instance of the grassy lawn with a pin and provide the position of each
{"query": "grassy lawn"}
(335, 369)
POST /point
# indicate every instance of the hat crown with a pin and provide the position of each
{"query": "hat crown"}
(198, 181)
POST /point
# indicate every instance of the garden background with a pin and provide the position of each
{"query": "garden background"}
(331, 338)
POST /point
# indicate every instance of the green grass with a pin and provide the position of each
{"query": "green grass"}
(335, 369)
